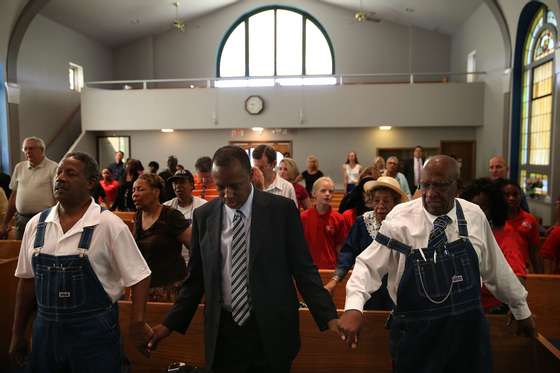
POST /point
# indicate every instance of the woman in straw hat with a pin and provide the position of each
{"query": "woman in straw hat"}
(381, 196)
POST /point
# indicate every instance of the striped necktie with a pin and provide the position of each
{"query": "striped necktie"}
(437, 236)
(240, 306)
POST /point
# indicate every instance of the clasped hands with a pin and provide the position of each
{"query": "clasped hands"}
(348, 327)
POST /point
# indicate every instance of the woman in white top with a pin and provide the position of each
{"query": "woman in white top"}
(351, 171)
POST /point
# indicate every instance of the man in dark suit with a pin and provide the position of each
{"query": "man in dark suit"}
(247, 247)
(413, 168)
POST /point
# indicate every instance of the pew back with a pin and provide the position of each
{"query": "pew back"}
(9, 249)
(544, 301)
(7, 295)
(324, 352)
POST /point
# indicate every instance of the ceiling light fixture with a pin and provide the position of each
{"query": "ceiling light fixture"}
(385, 128)
(167, 130)
(257, 129)
(177, 23)
(361, 15)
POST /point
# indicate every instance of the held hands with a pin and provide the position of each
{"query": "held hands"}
(350, 325)
(140, 334)
(330, 286)
(159, 332)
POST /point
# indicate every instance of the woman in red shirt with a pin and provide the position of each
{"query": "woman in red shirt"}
(489, 197)
(523, 223)
(110, 187)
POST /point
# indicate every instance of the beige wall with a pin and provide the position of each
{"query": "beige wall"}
(400, 105)
(358, 48)
(46, 101)
(481, 33)
(329, 144)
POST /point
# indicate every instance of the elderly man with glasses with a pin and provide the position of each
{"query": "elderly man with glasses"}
(435, 250)
(32, 186)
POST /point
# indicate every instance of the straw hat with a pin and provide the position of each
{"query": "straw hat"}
(386, 182)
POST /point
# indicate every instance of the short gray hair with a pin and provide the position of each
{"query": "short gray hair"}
(91, 169)
(38, 140)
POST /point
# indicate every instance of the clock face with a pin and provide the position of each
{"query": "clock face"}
(254, 105)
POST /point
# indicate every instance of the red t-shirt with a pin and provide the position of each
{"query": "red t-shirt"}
(510, 242)
(301, 194)
(110, 190)
(528, 228)
(551, 247)
(349, 217)
(323, 234)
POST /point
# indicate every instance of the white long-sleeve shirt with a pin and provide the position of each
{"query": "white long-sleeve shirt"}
(411, 224)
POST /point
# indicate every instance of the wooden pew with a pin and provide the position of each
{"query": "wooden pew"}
(324, 352)
(8, 285)
(9, 249)
(544, 301)
(125, 215)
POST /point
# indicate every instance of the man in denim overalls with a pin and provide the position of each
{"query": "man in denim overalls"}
(75, 260)
(436, 250)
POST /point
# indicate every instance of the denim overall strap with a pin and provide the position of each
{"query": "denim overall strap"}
(461, 221)
(438, 300)
(392, 244)
(41, 226)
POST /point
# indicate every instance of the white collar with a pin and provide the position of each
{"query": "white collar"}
(39, 165)
(91, 217)
(275, 184)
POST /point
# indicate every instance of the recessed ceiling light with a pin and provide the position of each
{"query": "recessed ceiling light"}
(167, 130)
(257, 129)
(385, 128)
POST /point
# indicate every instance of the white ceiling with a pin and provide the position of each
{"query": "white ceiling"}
(115, 22)
(440, 15)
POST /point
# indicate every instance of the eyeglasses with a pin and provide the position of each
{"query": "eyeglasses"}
(30, 148)
(436, 186)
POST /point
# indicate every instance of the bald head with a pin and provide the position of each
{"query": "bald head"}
(443, 164)
(497, 168)
(439, 184)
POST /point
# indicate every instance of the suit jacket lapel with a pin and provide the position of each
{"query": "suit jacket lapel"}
(214, 233)
(257, 226)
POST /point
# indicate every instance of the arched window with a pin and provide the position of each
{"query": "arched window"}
(275, 41)
(537, 99)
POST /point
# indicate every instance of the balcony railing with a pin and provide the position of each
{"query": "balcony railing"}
(293, 80)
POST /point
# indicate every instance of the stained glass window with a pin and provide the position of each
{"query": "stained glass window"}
(537, 103)
(276, 41)
(544, 45)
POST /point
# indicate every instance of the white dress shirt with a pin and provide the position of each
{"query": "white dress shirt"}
(226, 240)
(417, 170)
(283, 188)
(113, 254)
(411, 224)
